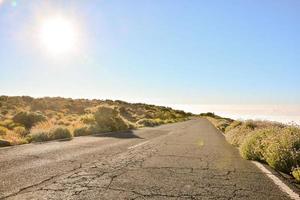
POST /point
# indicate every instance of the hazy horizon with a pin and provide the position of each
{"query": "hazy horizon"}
(284, 113)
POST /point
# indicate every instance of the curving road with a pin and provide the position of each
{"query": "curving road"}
(187, 160)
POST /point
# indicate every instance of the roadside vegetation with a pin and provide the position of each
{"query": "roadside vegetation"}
(273, 143)
(25, 119)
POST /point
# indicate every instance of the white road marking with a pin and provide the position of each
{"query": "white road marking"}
(140, 144)
(283, 187)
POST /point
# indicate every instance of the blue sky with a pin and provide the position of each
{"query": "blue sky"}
(159, 51)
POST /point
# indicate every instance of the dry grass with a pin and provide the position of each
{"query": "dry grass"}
(273, 143)
(29, 119)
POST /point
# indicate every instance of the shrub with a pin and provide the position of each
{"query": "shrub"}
(147, 122)
(171, 120)
(60, 133)
(38, 136)
(8, 123)
(233, 125)
(46, 131)
(14, 138)
(253, 146)
(210, 114)
(88, 119)
(282, 150)
(21, 131)
(222, 125)
(250, 124)
(28, 119)
(127, 114)
(107, 119)
(237, 135)
(3, 130)
(82, 131)
(296, 174)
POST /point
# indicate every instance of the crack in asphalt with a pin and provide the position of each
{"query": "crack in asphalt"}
(110, 171)
(39, 183)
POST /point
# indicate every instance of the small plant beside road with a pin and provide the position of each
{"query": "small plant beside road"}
(273, 143)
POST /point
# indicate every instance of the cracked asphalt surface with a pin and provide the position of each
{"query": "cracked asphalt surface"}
(187, 160)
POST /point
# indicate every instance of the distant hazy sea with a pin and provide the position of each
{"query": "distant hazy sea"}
(279, 113)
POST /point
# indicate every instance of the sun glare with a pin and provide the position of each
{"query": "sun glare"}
(57, 35)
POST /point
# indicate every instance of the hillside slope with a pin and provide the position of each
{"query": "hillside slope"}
(25, 119)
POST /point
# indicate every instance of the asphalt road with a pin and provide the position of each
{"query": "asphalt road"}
(187, 160)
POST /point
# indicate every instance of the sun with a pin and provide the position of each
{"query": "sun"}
(58, 35)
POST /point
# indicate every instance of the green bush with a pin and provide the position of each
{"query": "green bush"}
(237, 135)
(3, 130)
(60, 133)
(171, 121)
(108, 119)
(296, 174)
(21, 131)
(253, 146)
(88, 119)
(8, 123)
(28, 119)
(127, 114)
(210, 114)
(38, 136)
(233, 125)
(222, 125)
(283, 149)
(82, 131)
(250, 124)
(147, 122)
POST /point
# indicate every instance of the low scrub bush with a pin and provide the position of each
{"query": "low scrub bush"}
(249, 124)
(274, 143)
(253, 146)
(28, 119)
(108, 119)
(82, 131)
(233, 125)
(222, 124)
(88, 119)
(38, 136)
(171, 121)
(210, 114)
(14, 138)
(21, 131)
(147, 122)
(8, 123)
(296, 174)
(237, 135)
(283, 149)
(60, 133)
(238, 131)
(3, 130)
(41, 135)
(279, 147)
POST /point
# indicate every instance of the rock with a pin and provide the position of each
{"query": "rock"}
(4, 143)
